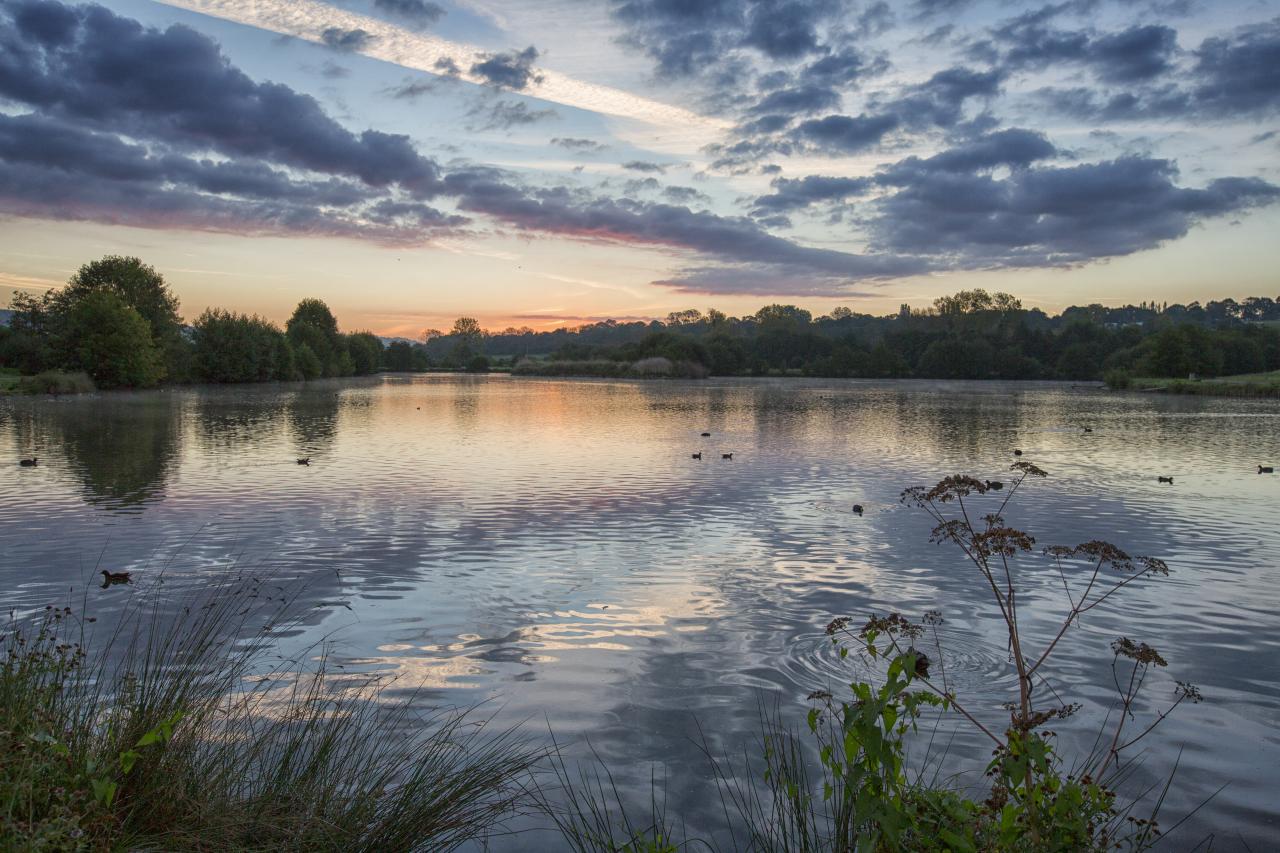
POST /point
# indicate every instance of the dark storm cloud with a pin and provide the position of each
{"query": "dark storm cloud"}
(797, 193)
(645, 166)
(510, 70)
(347, 41)
(782, 30)
(421, 13)
(842, 68)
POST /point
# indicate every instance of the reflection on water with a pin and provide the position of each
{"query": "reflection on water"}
(552, 545)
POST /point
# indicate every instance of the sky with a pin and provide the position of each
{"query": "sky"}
(552, 162)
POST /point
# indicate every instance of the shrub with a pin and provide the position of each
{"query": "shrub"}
(1118, 379)
(56, 382)
(478, 364)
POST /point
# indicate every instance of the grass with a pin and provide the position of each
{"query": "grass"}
(9, 377)
(1240, 385)
(171, 734)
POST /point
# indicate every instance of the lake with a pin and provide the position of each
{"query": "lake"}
(550, 546)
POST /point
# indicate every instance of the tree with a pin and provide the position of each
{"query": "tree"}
(112, 342)
(468, 339)
(231, 347)
(137, 284)
(314, 326)
(687, 317)
(399, 356)
(366, 352)
(307, 362)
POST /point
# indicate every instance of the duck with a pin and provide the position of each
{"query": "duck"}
(857, 509)
(29, 463)
(922, 661)
(697, 455)
(706, 435)
(726, 455)
(1017, 453)
(109, 578)
(1266, 469)
(305, 460)
(1088, 429)
(1168, 480)
(995, 485)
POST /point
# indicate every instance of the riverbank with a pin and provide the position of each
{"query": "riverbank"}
(1243, 385)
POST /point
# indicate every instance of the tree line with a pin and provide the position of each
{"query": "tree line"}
(972, 334)
(117, 321)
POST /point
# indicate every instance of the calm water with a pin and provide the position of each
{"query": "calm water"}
(552, 546)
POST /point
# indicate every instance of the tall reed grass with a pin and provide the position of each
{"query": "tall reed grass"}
(175, 733)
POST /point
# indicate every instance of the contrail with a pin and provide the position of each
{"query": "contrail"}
(307, 20)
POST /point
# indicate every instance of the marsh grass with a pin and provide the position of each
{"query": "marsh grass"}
(175, 733)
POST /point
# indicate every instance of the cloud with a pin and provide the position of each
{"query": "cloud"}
(347, 41)
(511, 70)
(685, 195)
(797, 193)
(420, 13)
(1239, 74)
(578, 144)
(645, 166)
(176, 88)
(504, 115)
(1049, 216)
(1136, 54)
(798, 100)
(847, 134)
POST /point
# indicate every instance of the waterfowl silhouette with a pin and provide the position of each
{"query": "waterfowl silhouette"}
(706, 435)
(1168, 480)
(1088, 429)
(109, 578)
(995, 485)
(857, 509)
(305, 460)
(922, 661)
(1017, 453)
(1266, 469)
(29, 463)
(697, 455)
(726, 455)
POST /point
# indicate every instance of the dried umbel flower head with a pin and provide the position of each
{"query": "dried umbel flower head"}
(1188, 691)
(837, 625)
(1004, 541)
(894, 624)
(1140, 652)
(933, 617)
(1104, 552)
(1028, 469)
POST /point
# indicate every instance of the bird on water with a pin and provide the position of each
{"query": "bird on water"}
(1266, 469)
(109, 578)
(857, 509)
(305, 460)
(1168, 480)
(697, 455)
(29, 463)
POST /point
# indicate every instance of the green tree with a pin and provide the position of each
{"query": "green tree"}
(468, 339)
(399, 356)
(233, 347)
(137, 284)
(366, 352)
(112, 342)
(314, 326)
(307, 362)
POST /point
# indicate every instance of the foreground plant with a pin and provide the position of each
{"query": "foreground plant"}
(176, 735)
(1033, 803)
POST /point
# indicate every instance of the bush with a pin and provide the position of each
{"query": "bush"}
(1118, 379)
(478, 364)
(56, 382)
